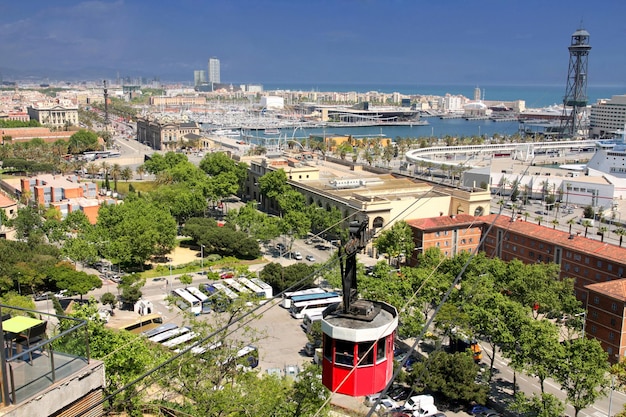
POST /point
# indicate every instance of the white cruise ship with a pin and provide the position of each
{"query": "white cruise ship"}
(610, 158)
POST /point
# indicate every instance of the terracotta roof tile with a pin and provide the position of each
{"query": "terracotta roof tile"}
(559, 237)
(614, 289)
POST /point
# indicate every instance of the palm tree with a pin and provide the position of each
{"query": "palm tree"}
(620, 232)
(116, 172)
(92, 169)
(586, 225)
(104, 166)
(555, 223)
(127, 174)
(601, 231)
(526, 214)
(570, 222)
(538, 219)
(140, 170)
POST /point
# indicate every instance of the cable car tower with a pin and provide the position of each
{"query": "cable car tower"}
(357, 350)
(575, 100)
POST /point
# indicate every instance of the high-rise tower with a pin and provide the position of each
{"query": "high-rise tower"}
(575, 100)
(214, 70)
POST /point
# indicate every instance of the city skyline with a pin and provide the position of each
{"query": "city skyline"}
(326, 42)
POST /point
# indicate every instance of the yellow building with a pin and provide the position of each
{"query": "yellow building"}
(384, 197)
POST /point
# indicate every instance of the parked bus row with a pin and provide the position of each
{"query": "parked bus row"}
(312, 301)
(216, 296)
(179, 338)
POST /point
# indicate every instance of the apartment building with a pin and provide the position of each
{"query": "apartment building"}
(165, 134)
(607, 117)
(596, 267)
(606, 316)
(66, 194)
(9, 206)
(453, 234)
(358, 190)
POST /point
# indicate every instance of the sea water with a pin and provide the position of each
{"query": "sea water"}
(535, 97)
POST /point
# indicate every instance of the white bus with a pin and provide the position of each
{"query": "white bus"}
(161, 329)
(256, 290)
(205, 303)
(286, 303)
(170, 334)
(312, 303)
(309, 318)
(186, 301)
(267, 288)
(179, 340)
(239, 288)
(225, 290)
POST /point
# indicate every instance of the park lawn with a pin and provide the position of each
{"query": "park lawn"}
(140, 186)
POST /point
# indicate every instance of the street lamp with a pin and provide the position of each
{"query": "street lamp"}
(202, 258)
(611, 395)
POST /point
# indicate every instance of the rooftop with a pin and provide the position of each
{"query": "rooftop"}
(557, 237)
(614, 289)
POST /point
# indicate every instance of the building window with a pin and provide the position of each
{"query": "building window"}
(447, 243)
(471, 240)
(462, 241)
(366, 353)
(593, 329)
(614, 306)
(609, 350)
(596, 300)
(445, 233)
(344, 352)
(609, 267)
(594, 314)
(611, 335)
(437, 234)
(380, 350)
(599, 264)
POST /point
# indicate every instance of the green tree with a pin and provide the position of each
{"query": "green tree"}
(28, 225)
(186, 279)
(217, 164)
(108, 298)
(130, 287)
(452, 375)
(396, 242)
(299, 275)
(583, 372)
(134, 231)
(74, 282)
(539, 346)
(274, 184)
(126, 356)
(82, 141)
(542, 405)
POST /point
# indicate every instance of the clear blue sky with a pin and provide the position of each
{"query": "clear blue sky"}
(323, 41)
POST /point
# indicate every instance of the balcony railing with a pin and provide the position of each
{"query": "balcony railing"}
(28, 370)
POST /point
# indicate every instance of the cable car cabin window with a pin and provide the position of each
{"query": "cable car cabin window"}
(344, 353)
(328, 348)
(366, 353)
(381, 352)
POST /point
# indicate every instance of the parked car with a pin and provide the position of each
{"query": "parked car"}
(297, 256)
(400, 393)
(387, 404)
(310, 258)
(42, 296)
